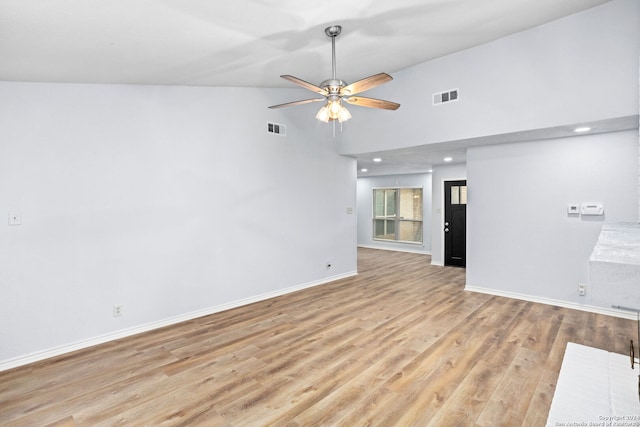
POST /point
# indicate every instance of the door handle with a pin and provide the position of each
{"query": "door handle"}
(446, 230)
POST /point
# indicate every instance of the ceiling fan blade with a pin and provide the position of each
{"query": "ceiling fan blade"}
(371, 102)
(366, 84)
(304, 101)
(305, 85)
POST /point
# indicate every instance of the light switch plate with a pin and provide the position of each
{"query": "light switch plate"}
(15, 218)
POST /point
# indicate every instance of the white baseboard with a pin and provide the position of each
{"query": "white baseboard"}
(549, 301)
(387, 248)
(79, 345)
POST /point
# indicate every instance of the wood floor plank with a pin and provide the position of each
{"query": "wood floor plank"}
(567, 332)
(510, 401)
(66, 422)
(541, 401)
(543, 334)
(48, 393)
(476, 388)
(401, 343)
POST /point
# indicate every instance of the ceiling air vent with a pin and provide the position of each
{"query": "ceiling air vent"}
(276, 128)
(446, 96)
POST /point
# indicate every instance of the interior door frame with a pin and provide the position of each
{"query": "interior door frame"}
(441, 216)
(456, 239)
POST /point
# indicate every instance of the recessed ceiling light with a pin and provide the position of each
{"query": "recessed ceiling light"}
(364, 170)
(582, 129)
(448, 159)
(377, 160)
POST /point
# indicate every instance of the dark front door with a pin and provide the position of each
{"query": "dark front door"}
(455, 223)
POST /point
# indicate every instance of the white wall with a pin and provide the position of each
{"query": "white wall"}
(440, 175)
(165, 200)
(365, 210)
(577, 69)
(520, 238)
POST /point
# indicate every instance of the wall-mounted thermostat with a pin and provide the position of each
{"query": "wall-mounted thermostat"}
(592, 209)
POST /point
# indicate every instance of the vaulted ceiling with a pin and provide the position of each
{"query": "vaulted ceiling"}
(247, 42)
(251, 43)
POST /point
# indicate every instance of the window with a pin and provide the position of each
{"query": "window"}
(397, 214)
(458, 195)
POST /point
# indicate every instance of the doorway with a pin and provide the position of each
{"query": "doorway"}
(455, 223)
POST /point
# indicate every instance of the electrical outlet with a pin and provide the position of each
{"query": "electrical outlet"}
(582, 289)
(117, 310)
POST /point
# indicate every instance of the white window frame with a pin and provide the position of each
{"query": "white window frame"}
(397, 220)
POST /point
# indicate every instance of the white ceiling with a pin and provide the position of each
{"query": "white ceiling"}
(247, 42)
(252, 42)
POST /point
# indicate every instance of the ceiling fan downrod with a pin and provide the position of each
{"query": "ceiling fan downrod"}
(333, 32)
(333, 85)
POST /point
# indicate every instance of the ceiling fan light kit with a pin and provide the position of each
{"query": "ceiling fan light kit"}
(335, 91)
(333, 110)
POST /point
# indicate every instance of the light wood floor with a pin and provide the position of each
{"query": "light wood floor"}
(401, 344)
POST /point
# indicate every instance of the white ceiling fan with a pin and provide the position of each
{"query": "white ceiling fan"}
(335, 91)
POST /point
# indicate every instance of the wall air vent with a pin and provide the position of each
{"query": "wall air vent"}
(276, 128)
(446, 96)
